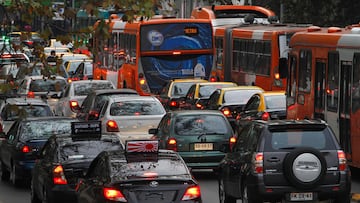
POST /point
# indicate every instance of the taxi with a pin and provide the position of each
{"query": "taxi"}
(141, 173)
(65, 158)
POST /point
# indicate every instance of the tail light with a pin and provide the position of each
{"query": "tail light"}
(232, 141)
(31, 95)
(111, 126)
(265, 116)
(226, 111)
(199, 106)
(192, 193)
(342, 160)
(113, 195)
(213, 79)
(258, 163)
(74, 105)
(173, 103)
(59, 176)
(171, 144)
(25, 149)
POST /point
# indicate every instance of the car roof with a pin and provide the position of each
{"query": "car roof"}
(189, 80)
(241, 87)
(196, 112)
(25, 101)
(134, 97)
(40, 77)
(115, 91)
(47, 118)
(287, 123)
(272, 93)
(216, 83)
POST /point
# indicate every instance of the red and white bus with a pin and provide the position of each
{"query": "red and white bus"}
(145, 54)
(324, 82)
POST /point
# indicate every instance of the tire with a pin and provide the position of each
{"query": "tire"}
(5, 174)
(34, 197)
(249, 197)
(297, 164)
(13, 179)
(223, 197)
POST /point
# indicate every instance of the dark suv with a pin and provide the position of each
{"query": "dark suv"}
(287, 160)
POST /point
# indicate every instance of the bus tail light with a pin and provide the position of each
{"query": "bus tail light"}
(113, 195)
(74, 105)
(342, 160)
(265, 116)
(59, 176)
(111, 126)
(192, 192)
(171, 144)
(258, 163)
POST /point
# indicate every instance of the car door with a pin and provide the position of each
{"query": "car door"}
(8, 148)
(163, 131)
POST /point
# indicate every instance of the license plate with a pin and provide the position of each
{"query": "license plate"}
(203, 146)
(306, 196)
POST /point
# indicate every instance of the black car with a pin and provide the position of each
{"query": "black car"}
(142, 173)
(92, 104)
(285, 160)
(65, 158)
(23, 140)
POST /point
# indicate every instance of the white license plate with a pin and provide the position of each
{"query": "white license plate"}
(305, 196)
(203, 146)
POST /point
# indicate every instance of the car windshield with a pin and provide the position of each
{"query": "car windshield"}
(199, 124)
(238, 96)
(180, 89)
(44, 129)
(12, 112)
(88, 149)
(47, 85)
(81, 89)
(135, 108)
(275, 102)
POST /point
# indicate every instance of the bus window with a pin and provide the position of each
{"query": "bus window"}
(333, 81)
(291, 82)
(356, 84)
(305, 71)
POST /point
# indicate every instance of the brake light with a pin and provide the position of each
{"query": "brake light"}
(31, 95)
(232, 141)
(59, 176)
(213, 79)
(258, 162)
(265, 116)
(226, 111)
(111, 126)
(174, 104)
(25, 149)
(198, 106)
(342, 160)
(171, 144)
(74, 105)
(114, 195)
(192, 193)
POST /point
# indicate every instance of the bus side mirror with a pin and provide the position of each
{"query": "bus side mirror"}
(283, 67)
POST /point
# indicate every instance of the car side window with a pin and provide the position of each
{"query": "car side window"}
(213, 100)
(253, 103)
(12, 133)
(165, 125)
(103, 109)
(67, 91)
(191, 93)
(253, 138)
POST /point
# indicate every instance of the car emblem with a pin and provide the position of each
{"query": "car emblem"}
(154, 184)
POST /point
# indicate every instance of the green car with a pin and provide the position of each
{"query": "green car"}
(200, 136)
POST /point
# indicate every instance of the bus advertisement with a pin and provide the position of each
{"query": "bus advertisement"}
(146, 54)
(324, 82)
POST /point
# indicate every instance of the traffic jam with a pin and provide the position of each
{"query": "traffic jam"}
(125, 125)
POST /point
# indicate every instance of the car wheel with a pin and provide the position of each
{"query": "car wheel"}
(13, 179)
(33, 195)
(249, 197)
(305, 167)
(5, 174)
(224, 198)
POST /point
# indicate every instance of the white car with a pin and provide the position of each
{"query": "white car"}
(74, 94)
(131, 117)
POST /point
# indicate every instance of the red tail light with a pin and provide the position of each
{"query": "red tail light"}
(59, 176)
(31, 95)
(173, 104)
(342, 160)
(226, 111)
(25, 149)
(213, 79)
(113, 195)
(232, 141)
(111, 126)
(198, 106)
(74, 105)
(265, 116)
(192, 193)
(171, 144)
(258, 163)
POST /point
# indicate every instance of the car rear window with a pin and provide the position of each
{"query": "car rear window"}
(275, 102)
(44, 129)
(318, 139)
(199, 124)
(47, 85)
(239, 96)
(81, 89)
(180, 89)
(134, 108)
(12, 112)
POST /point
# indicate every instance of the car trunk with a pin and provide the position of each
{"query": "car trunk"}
(202, 142)
(75, 170)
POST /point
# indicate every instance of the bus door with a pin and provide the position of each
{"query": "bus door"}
(319, 101)
(345, 105)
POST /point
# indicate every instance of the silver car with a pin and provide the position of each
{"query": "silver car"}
(131, 117)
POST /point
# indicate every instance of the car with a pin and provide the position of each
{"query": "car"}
(283, 161)
(66, 158)
(42, 86)
(91, 106)
(74, 94)
(141, 173)
(231, 100)
(268, 105)
(84, 71)
(15, 108)
(23, 140)
(175, 89)
(199, 136)
(76, 58)
(29, 39)
(131, 117)
(71, 65)
(200, 93)
(58, 51)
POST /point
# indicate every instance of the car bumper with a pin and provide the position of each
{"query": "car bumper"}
(62, 193)
(202, 160)
(24, 168)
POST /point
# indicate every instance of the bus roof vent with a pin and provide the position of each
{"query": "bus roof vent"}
(313, 28)
(334, 29)
(355, 30)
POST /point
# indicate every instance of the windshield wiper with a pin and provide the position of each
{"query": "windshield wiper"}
(210, 133)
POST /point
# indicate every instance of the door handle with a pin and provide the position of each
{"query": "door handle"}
(273, 159)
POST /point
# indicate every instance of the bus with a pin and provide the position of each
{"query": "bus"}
(144, 55)
(250, 53)
(324, 82)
